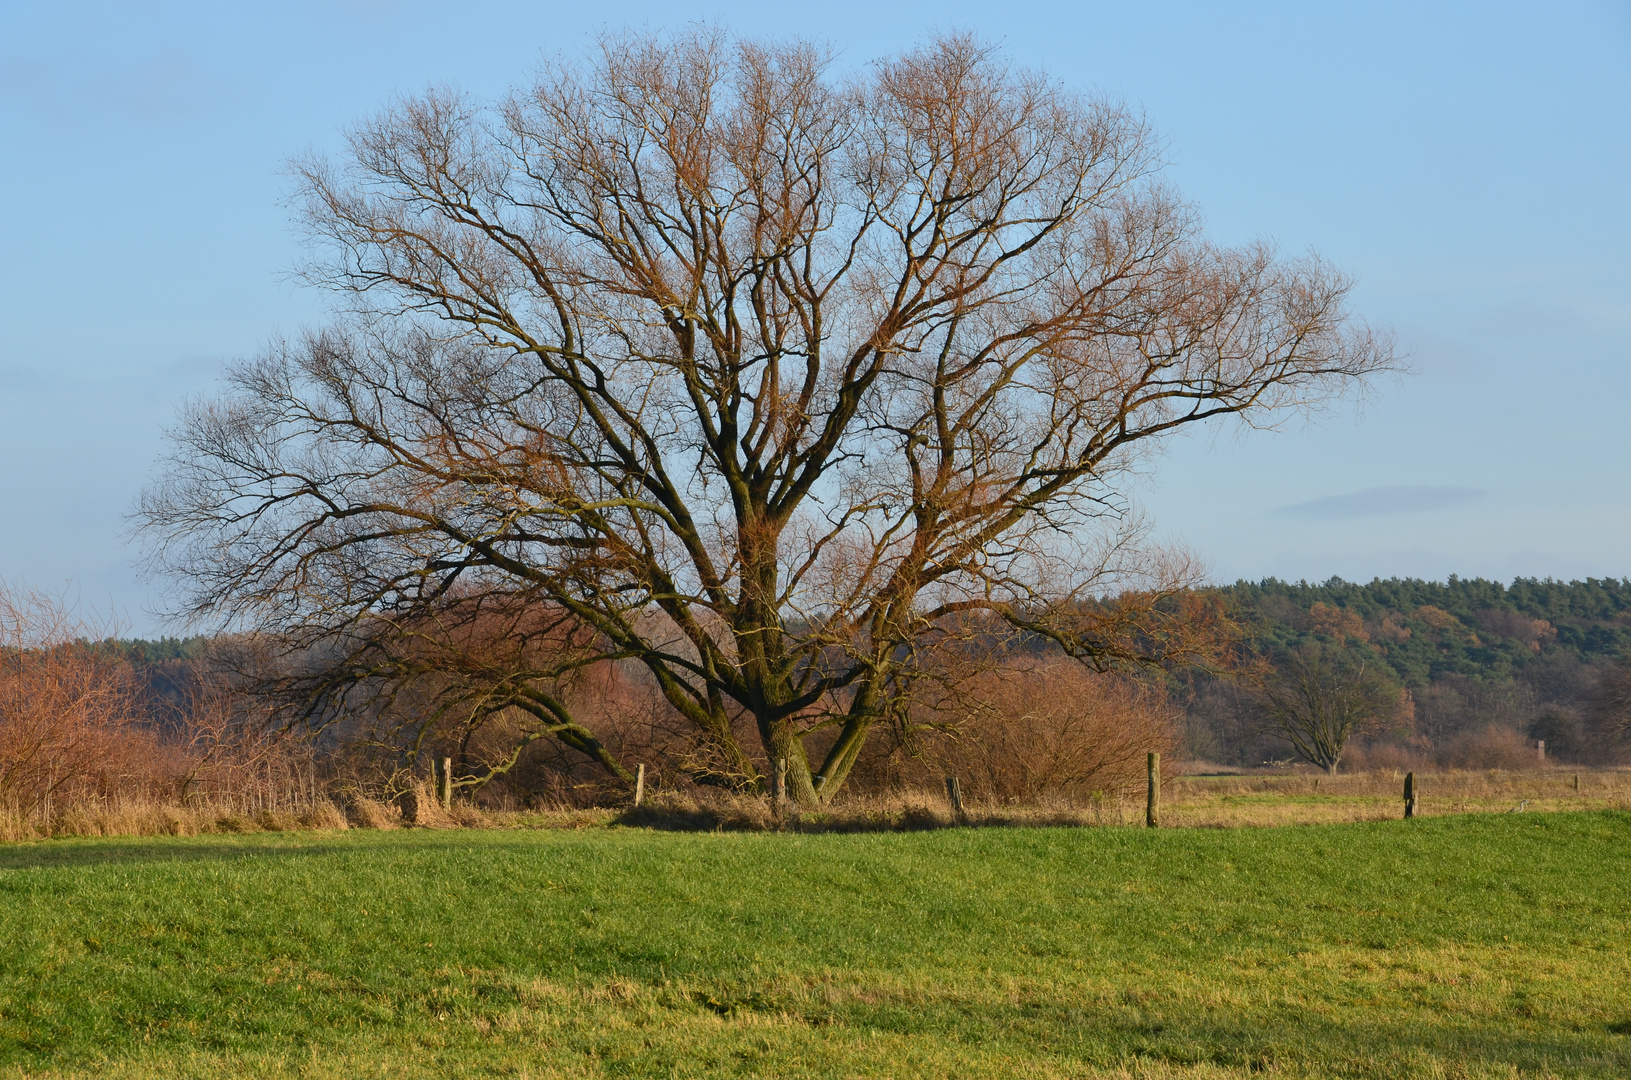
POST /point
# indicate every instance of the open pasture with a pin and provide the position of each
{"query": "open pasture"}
(1475, 946)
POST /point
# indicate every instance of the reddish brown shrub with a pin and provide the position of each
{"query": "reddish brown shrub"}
(1493, 747)
(67, 711)
(1049, 728)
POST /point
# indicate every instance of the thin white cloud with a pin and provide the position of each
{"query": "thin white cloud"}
(1377, 501)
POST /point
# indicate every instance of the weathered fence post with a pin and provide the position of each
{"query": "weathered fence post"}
(1577, 781)
(639, 784)
(1409, 794)
(954, 792)
(445, 789)
(1152, 802)
(1540, 749)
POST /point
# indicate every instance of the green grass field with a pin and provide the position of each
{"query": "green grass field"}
(1451, 947)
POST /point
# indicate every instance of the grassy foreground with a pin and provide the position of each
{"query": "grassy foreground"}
(1478, 946)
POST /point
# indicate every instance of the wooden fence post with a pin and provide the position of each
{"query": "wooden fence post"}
(1409, 794)
(639, 784)
(1540, 749)
(1152, 802)
(446, 787)
(954, 792)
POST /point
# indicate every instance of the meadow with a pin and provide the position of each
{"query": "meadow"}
(1480, 945)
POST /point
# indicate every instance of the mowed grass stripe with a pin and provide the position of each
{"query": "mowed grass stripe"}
(1453, 946)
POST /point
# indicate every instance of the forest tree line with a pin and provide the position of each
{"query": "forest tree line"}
(1464, 674)
(1486, 671)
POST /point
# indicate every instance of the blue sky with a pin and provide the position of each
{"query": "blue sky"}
(1467, 163)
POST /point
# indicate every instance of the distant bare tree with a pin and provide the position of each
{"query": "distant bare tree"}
(1319, 696)
(764, 376)
(1610, 706)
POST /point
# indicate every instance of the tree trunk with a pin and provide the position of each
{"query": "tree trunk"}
(842, 755)
(781, 743)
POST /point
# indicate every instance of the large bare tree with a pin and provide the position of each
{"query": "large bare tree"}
(769, 376)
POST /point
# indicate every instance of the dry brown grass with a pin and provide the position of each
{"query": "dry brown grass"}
(904, 811)
(141, 816)
(1187, 801)
(1195, 801)
(1303, 799)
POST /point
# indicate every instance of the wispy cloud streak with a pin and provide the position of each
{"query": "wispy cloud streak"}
(1378, 501)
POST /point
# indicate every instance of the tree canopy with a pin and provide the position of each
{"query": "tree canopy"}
(765, 378)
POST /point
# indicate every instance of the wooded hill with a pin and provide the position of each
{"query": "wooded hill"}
(1490, 667)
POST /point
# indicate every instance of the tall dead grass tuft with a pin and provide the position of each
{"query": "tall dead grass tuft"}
(419, 806)
(363, 812)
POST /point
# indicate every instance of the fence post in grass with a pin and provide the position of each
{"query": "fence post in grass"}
(445, 788)
(954, 792)
(1409, 794)
(1540, 749)
(1577, 781)
(1152, 803)
(639, 784)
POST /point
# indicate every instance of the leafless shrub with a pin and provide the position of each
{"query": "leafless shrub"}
(1029, 730)
(68, 720)
(1366, 757)
(232, 749)
(1492, 747)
